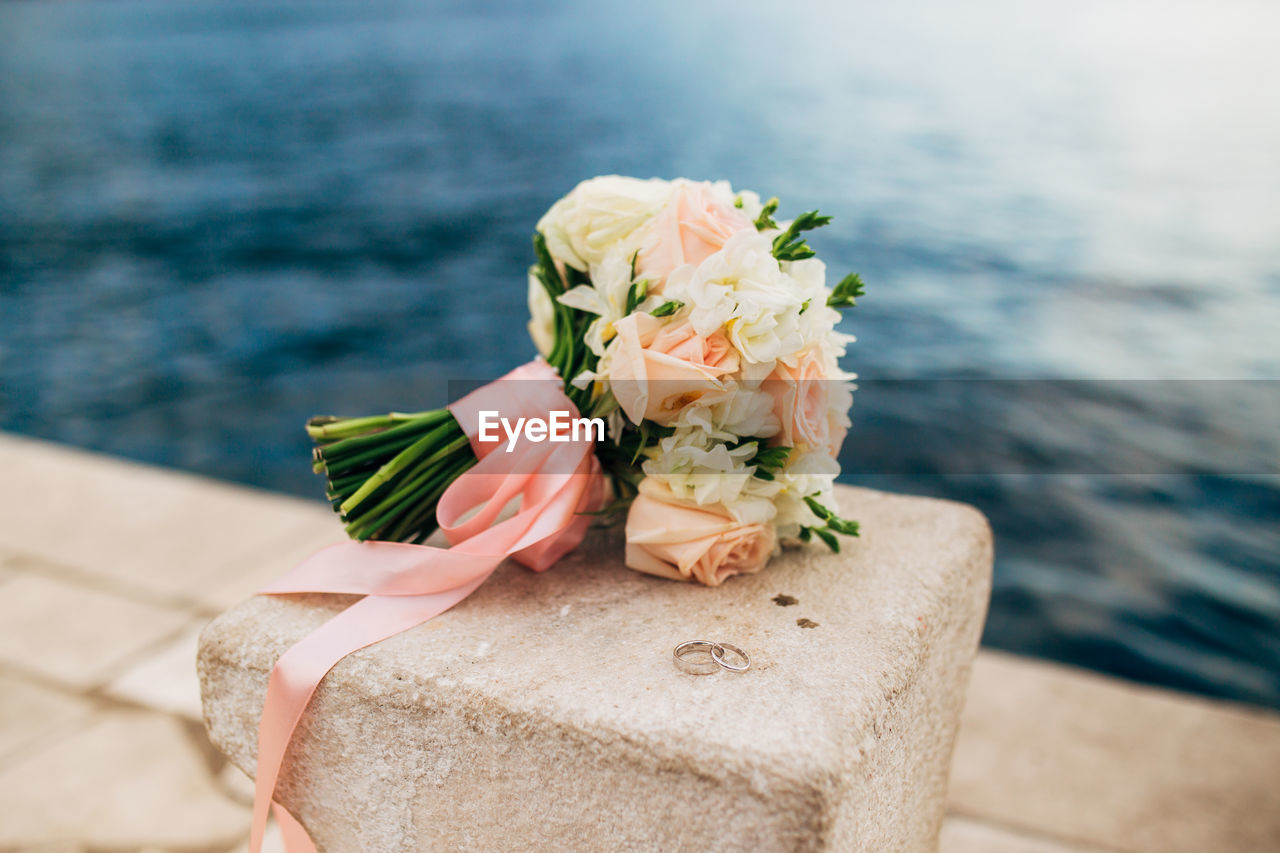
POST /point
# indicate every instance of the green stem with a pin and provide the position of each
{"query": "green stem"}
(411, 503)
(330, 428)
(422, 520)
(404, 485)
(389, 470)
(354, 461)
(342, 448)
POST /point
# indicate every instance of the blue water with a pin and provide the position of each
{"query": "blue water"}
(218, 218)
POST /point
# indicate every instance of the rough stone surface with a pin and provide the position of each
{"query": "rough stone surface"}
(544, 712)
(1077, 756)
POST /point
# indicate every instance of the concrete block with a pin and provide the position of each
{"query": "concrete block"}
(544, 713)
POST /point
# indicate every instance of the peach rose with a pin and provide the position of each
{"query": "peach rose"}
(683, 542)
(691, 226)
(838, 432)
(801, 402)
(658, 368)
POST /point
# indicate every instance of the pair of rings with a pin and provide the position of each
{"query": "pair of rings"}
(703, 657)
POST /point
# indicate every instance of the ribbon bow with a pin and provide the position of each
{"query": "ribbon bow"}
(406, 585)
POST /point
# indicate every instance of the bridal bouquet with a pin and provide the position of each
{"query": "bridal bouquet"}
(695, 336)
(688, 378)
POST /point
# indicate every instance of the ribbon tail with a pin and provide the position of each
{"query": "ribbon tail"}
(300, 670)
(404, 582)
(292, 834)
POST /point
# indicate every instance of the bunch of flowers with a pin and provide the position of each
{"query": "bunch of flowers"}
(703, 333)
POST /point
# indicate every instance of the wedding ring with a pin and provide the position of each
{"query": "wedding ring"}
(717, 655)
(696, 657)
(689, 657)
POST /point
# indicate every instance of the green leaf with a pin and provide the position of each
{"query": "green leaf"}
(846, 293)
(789, 246)
(671, 306)
(834, 522)
(650, 434)
(828, 537)
(546, 267)
(771, 457)
(768, 459)
(843, 526)
(639, 290)
(765, 219)
(818, 509)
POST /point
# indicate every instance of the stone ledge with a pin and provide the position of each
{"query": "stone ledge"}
(123, 780)
(1098, 761)
(128, 524)
(1011, 701)
(839, 738)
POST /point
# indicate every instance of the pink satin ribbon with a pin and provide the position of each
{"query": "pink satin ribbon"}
(405, 585)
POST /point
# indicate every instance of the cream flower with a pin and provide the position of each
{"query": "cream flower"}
(839, 402)
(606, 297)
(702, 470)
(737, 410)
(741, 290)
(745, 200)
(818, 320)
(599, 215)
(806, 475)
(542, 317)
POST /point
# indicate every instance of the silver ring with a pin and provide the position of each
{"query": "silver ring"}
(717, 655)
(682, 655)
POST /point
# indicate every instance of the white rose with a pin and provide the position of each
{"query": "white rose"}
(601, 214)
(542, 317)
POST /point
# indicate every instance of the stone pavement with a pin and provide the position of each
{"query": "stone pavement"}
(108, 570)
